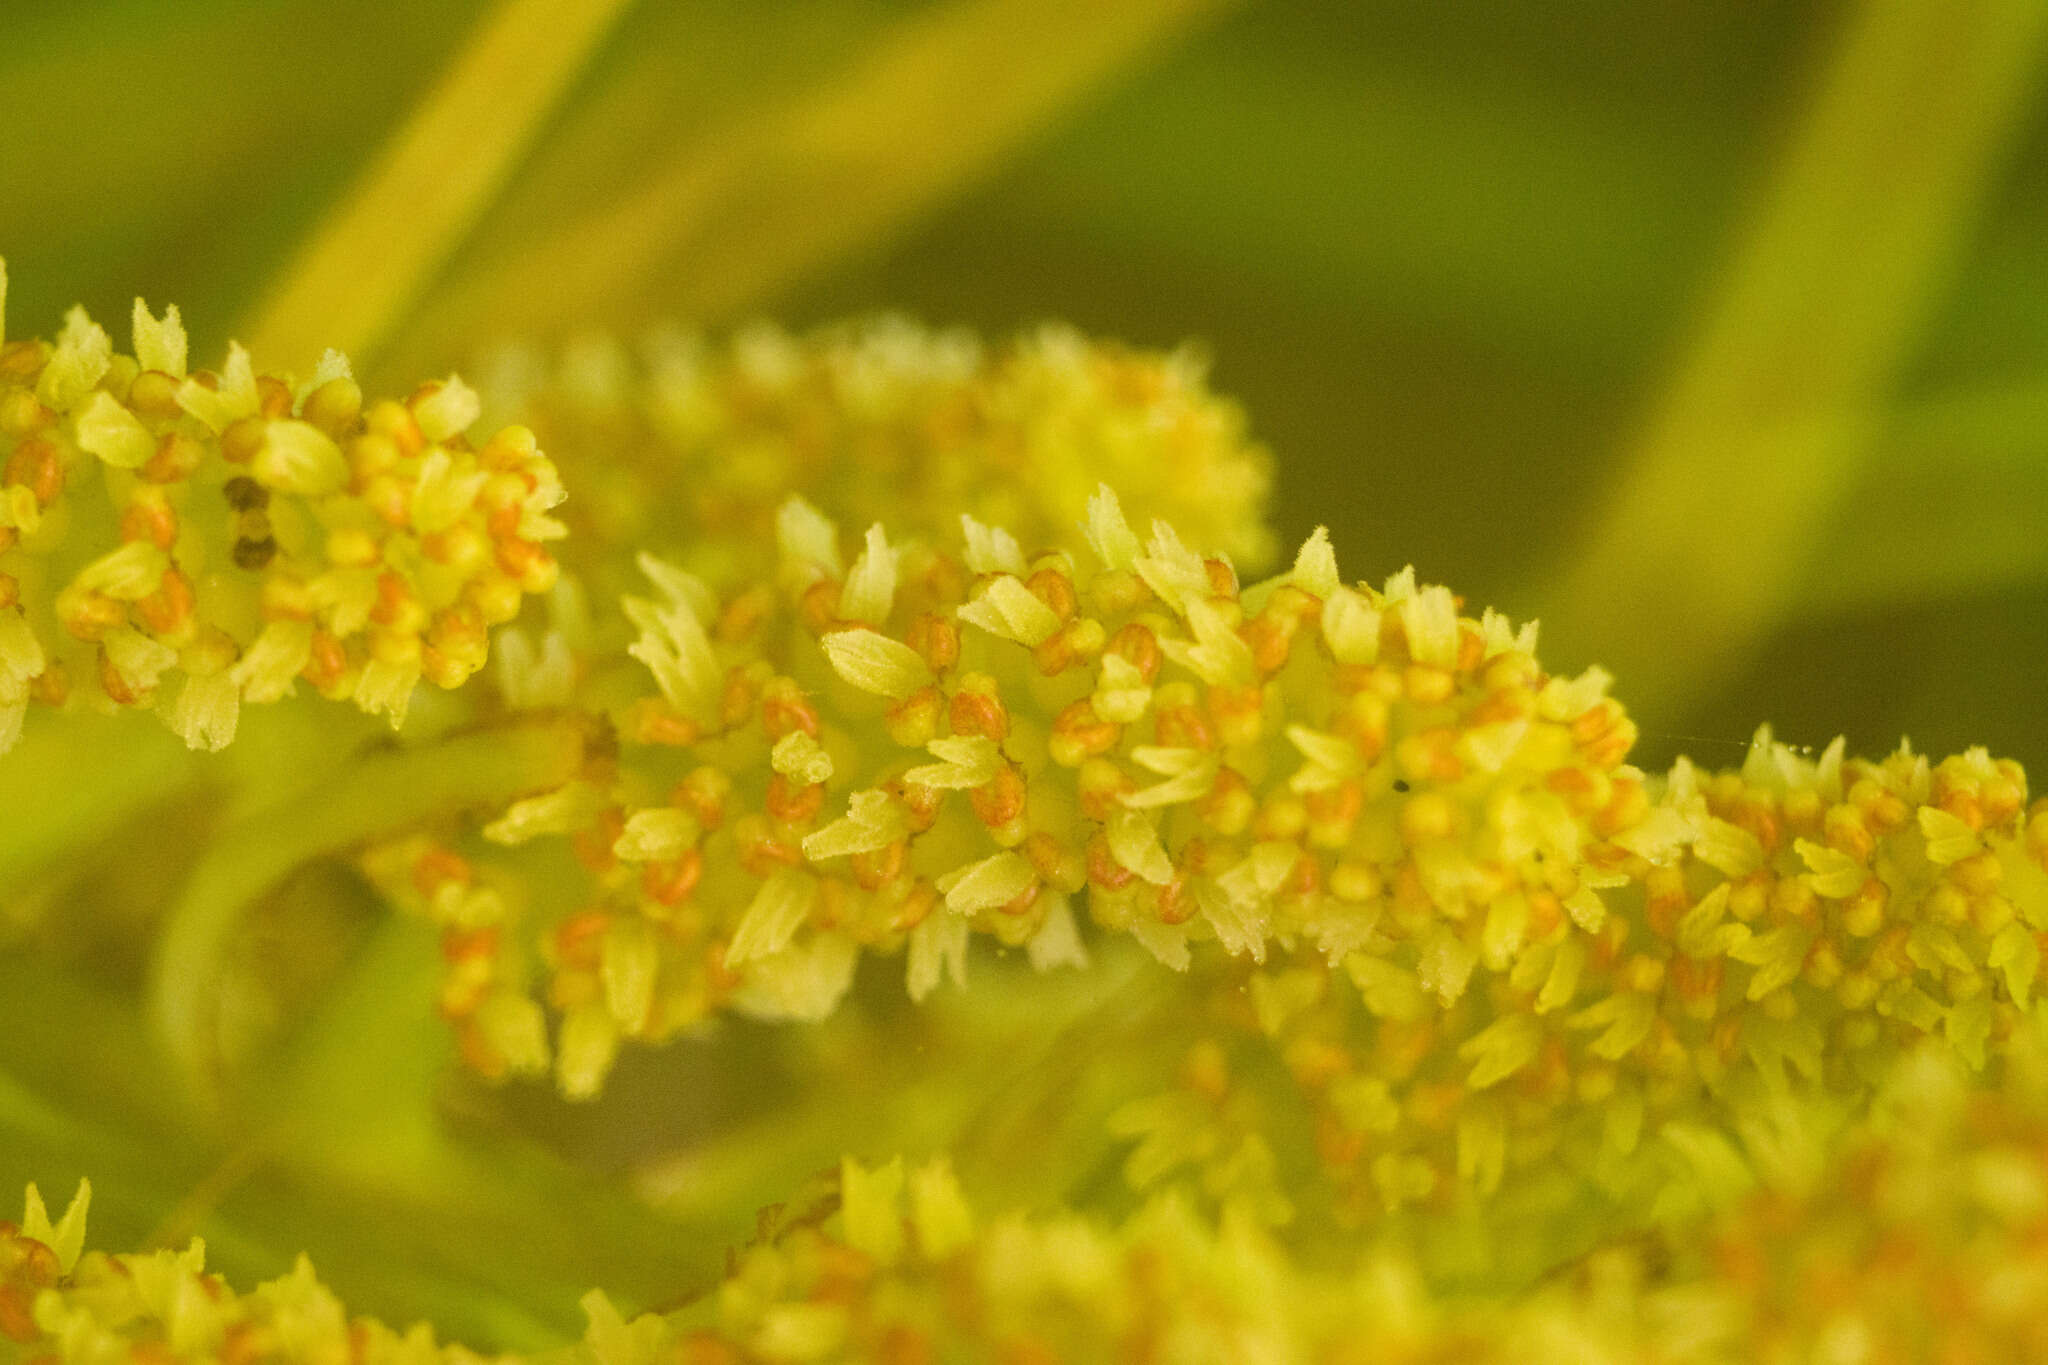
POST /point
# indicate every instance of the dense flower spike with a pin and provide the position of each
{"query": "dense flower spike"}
(1825, 916)
(689, 449)
(934, 743)
(191, 540)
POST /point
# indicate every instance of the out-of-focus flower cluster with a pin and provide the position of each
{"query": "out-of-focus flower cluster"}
(689, 448)
(1927, 1240)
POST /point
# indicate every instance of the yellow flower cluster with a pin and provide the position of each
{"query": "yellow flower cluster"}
(1821, 917)
(191, 540)
(933, 742)
(1928, 1242)
(689, 448)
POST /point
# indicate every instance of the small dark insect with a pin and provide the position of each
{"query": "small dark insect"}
(254, 554)
(244, 494)
(250, 501)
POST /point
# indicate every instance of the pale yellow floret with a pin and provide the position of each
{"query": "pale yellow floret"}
(562, 811)
(807, 537)
(1011, 611)
(81, 358)
(870, 588)
(872, 822)
(1134, 841)
(448, 411)
(654, 834)
(1351, 624)
(108, 430)
(159, 345)
(799, 758)
(990, 549)
(803, 983)
(875, 663)
(298, 457)
(205, 712)
(585, 1049)
(937, 949)
(1109, 535)
(966, 761)
(65, 1237)
(629, 965)
(442, 497)
(231, 399)
(772, 918)
(1058, 940)
(1121, 694)
(985, 885)
(1219, 656)
(138, 659)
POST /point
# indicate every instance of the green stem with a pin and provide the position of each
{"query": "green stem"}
(382, 792)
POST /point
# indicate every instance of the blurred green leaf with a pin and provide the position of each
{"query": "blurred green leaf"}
(1699, 542)
(375, 252)
(1953, 501)
(727, 214)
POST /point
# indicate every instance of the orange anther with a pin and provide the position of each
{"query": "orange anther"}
(793, 804)
(784, 710)
(652, 720)
(170, 607)
(466, 945)
(273, 396)
(1001, 799)
(1175, 902)
(918, 903)
(878, 867)
(38, 466)
(1471, 647)
(1137, 645)
(395, 421)
(1078, 735)
(977, 710)
(1182, 727)
(150, 519)
(94, 617)
(737, 698)
(114, 685)
(1103, 868)
(670, 882)
(579, 939)
(703, 793)
(744, 614)
(1052, 587)
(936, 640)
(819, 606)
(327, 661)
